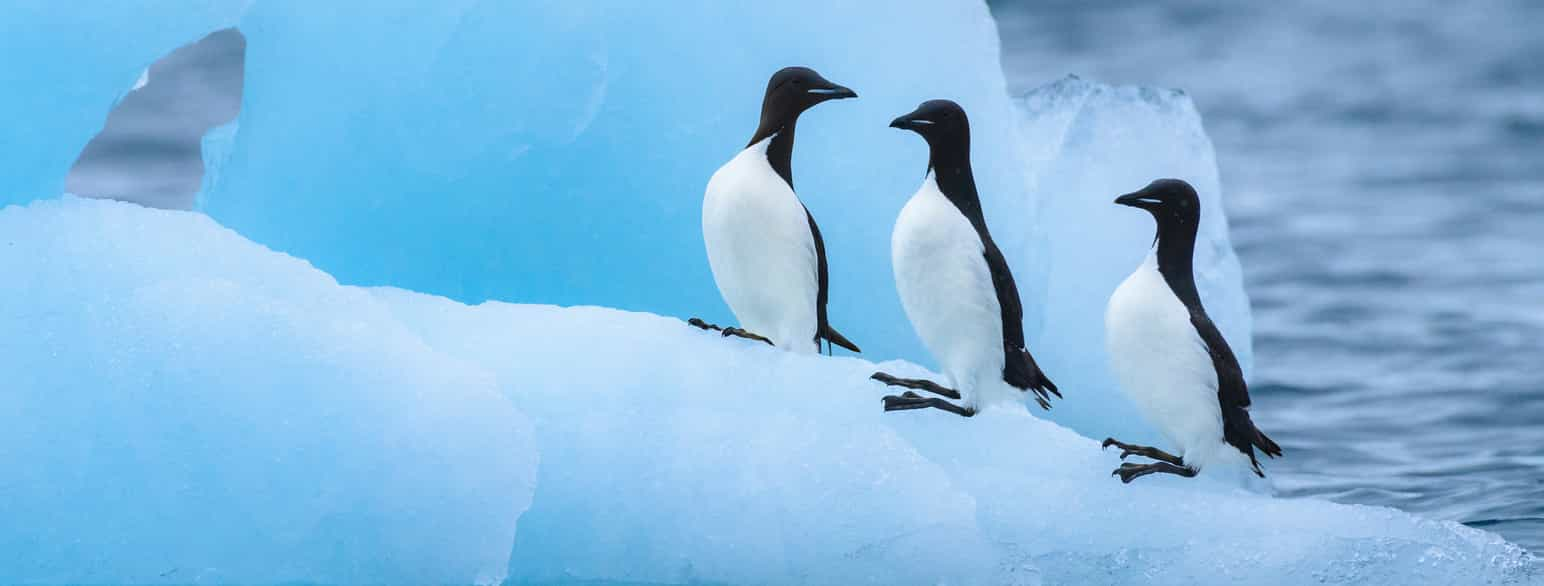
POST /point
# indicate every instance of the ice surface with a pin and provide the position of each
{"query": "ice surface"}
(228, 413)
(1084, 144)
(182, 405)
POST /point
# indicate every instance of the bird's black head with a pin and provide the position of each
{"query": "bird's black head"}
(1173, 203)
(790, 92)
(941, 122)
(1177, 210)
(947, 131)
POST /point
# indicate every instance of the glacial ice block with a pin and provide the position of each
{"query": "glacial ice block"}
(221, 412)
(181, 405)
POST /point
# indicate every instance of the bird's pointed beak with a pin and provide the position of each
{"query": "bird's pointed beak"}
(910, 122)
(834, 92)
(1137, 199)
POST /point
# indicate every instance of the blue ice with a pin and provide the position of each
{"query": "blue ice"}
(339, 371)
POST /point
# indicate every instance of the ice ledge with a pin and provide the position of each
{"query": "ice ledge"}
(193, 407)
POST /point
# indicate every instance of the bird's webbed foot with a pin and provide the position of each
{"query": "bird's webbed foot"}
(916, 383)
(697, 322)
(909, 400)
(741, 333)
(726, 332)
(1129, 471)
(1144, 451)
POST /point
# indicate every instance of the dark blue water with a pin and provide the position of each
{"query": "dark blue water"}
(1383, 164)
(149, 151)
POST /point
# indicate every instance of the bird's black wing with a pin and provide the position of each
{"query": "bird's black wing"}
(823, 329)
(1238, 428)
(1019, 368)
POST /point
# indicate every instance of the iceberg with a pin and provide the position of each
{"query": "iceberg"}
(228, 413)
(311, 382)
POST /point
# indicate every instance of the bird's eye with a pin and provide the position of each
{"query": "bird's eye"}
(798, 81)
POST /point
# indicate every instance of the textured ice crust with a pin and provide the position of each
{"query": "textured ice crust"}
(226, 413)
(181, 405)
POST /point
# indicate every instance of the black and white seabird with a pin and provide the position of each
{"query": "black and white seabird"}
(1168, 356)
(954, 282)
(765, 250)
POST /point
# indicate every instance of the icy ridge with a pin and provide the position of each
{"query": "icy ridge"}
(385, 435)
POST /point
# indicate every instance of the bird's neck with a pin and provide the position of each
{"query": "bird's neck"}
(1176, 261)
(951, 171)
(780, 149)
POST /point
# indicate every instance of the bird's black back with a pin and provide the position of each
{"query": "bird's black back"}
(949, 160)
(779, 121)
(1176, 262)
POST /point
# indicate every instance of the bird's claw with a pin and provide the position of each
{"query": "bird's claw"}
(1127, 472)
(889, 401)
(741, 332)
(1125, 451)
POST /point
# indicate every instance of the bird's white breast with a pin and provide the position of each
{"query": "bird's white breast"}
(761, 250)
(946, 289)
(1162, 365)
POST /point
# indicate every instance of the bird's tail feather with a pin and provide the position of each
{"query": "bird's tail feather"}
(1021, 371)
(835, 337)
(1266, 444)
